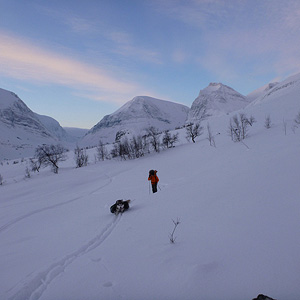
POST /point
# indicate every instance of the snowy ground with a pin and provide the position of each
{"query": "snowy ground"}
(239, 233)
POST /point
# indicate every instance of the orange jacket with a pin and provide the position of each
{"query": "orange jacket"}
(153, 178)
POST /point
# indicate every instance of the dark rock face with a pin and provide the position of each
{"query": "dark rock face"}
(263, 297)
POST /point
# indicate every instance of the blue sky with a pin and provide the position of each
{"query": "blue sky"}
(77, 61)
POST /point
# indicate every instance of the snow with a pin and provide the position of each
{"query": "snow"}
(239, 221)
(238, 206)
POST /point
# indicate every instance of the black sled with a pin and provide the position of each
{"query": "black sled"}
(119, 207)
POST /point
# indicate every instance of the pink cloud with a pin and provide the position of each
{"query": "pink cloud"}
(20, 59)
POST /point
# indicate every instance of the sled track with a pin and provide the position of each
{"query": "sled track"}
(33, 288)
(16, 220)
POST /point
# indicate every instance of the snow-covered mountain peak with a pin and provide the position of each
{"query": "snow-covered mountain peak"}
(216, 99)
(212, 87)
(136, 116)
(7, 99)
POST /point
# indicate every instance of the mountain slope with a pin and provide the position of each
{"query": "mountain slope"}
(53, 127)
(215, 100)
(281, 102)
(136, 116)
(260, 91)
(20, 128)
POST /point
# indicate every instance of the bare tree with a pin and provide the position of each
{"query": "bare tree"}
(238, 127)
(268, 123)
(35, 164)
(210, 136)
(169, 140)
(121, 149)
(80, 156)
(153, 135)
(50, 155)
(1, 180)
(193, 130)
(138, 146)
(101, 151)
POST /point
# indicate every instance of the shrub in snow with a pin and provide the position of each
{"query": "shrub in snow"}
(171, 236)
(50, 155)
(297, 119)
(169, 140)
(27, 173)
(193, 130)
(121, 149)
(210, 136)
(296, 122)
(268, 122)
(139, 146)
(102, 153)
(35, 164)
(1, 179)
(239, 126)
(81, 158)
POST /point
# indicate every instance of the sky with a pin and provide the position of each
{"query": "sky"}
(79, 60)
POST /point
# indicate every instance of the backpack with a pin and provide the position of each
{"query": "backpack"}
(151, 172)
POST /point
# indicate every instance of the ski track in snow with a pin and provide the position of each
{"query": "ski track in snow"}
(20, 218)
(34, 288)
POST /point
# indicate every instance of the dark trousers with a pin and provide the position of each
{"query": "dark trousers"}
(154, 187)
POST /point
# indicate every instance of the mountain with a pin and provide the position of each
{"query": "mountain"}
(215, 100)
(135, 116)
(21, 130)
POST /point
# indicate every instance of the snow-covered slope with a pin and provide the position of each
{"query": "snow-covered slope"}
(76, 134)
(281, 102)
(136, 116)
(260, 91)
(53, 127)
(215, 100)
(20, 129)
(238, 208)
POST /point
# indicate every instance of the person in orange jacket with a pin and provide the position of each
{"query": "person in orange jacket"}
(154, 180)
